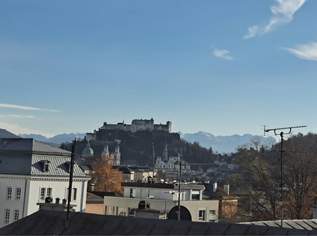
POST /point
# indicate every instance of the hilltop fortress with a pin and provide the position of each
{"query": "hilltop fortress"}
(135, 126)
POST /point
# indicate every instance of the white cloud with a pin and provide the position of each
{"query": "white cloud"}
(17, 116)
(26, 108)
(222, 54)
(305, 51)
(282, 13)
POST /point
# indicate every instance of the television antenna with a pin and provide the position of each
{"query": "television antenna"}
(281, 132)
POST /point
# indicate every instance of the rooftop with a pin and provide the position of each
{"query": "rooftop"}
(164, 185)
(30, 145)
(307, 224)
(38, 152)
(6, 134)
(53, 222)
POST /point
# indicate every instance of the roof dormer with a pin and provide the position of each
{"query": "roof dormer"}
(45, 165)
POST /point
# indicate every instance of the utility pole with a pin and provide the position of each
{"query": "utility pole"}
(153, 159)
(281, 132)
(70, 186)
(179, 187)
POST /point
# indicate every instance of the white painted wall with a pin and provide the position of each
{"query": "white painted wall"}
(164, 206)
(13, 204)
(30, 193)
(159, 193)
(59, 190)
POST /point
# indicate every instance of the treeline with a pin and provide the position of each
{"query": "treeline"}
(258, 179)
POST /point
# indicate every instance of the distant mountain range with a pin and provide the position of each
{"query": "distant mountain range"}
(220, 144)
(227, 144)
(57, 139)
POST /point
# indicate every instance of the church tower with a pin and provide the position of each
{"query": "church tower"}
(117, 154)
(105, 153)
(87, 152)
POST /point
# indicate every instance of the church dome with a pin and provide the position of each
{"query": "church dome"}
(87, 151)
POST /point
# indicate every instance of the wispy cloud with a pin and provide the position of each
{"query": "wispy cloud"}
(222, 54)
(283, 12)
(17, 129)
(17, 116)
(306, 51)
(25, 108)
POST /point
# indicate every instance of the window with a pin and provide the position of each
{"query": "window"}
(195, 195)
(117, 210)
(212, 212)
(74, 194)
(9, 193)
(202, 215)
(6, 216)
(132, 193)
(46, 166)
(18, 193)
(67, 166)
(49, 192)
(16, 215)
(42, 193)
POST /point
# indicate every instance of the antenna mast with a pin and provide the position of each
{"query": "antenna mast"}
(281, 132)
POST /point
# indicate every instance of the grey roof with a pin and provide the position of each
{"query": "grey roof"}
(307, 224)
(29, 145)
(94, 198)
(6, 134)
(57, 166)
(148, 185)
(164, 185)
(44, 147)
(53, 222)
(191, 186)
(37, 152)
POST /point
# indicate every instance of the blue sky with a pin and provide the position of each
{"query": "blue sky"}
(220, 66)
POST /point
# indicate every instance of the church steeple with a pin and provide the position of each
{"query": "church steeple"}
(117, 154)
(87, 152)
(105, 153)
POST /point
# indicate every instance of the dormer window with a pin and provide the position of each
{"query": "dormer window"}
(46, 165)
(67, 166)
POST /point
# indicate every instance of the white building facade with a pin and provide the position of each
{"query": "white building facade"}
(30, 172)
(164, 198)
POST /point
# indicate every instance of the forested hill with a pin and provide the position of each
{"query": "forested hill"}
(137, 148)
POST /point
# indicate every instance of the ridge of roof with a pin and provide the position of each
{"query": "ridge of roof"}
(45, 147)
(53, 223)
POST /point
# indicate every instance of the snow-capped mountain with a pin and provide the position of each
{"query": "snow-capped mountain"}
(227, 144)
(57, 139)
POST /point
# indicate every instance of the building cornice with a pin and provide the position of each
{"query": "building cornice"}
(25, 152)
(51, 178)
